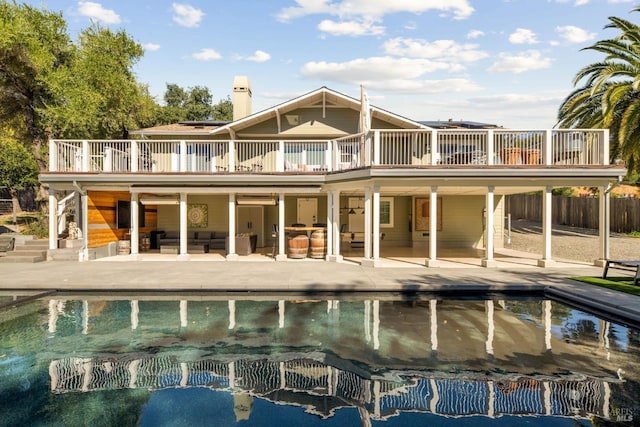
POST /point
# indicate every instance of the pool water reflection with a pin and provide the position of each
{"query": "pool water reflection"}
(388, 360)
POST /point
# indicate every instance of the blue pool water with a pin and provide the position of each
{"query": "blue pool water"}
(387, 360)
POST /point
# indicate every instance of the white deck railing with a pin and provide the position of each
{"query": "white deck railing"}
(417, 148)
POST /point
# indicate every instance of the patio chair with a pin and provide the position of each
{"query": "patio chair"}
(631, 265)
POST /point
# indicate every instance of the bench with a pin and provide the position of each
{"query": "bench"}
(633, 266)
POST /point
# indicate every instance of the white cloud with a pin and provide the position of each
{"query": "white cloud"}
(350, 28)
(151, 47)
(571, 34)
(474, 34)
(523, 36)
(440, 49)
(619, 1)
(97, 12)
(258, 56)
(524, 61)
(412, 25)
(583, 2)
(460, 9)
(424, 86)
(376, 69)
(186, 16)
(206, 54)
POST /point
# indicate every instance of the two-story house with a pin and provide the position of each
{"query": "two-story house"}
(360, 175)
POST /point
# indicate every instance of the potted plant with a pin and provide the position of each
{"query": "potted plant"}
(510, 155)
(531, 151)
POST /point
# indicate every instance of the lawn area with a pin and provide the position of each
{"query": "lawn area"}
(622, 284)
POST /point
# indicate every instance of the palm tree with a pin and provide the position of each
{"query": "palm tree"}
(610, 94)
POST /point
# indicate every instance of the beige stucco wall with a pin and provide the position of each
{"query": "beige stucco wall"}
(462, 219)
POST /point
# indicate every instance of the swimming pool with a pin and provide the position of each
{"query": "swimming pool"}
(297, 360)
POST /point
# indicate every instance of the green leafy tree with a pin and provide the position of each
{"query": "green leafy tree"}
(223, 110)
(610, 93)
(52, 87)
(34, 46)
(192, 104)
(98, 91)
(18, 170)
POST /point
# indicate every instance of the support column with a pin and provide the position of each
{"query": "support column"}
(329, 222)
(369, 237)
(85, 227)
(135, 226)
(336, 255)
(432, 261)
(183, 226)
(376, 223)
(547, 197)
(53, 219)
(231, 244)
(604, 226)
(282, 256)
(488, 260)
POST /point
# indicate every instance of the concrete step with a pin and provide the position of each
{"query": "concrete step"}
(25, 251)
(25, 259)
(63, 255)
(35, 244)
(29, 251)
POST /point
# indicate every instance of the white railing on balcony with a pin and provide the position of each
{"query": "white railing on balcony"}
(349, 152)
(413, 148)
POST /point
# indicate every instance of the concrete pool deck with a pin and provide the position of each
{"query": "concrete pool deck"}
(315, 277)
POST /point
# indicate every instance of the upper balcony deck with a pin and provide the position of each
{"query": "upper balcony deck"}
(381, 148)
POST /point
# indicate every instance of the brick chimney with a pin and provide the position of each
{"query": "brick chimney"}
(241, 97)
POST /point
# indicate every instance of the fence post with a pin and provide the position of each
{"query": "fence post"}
(53, 156)
(376, 147)
(548, 145)
(435, 154)
(490, 147)
(604, 151)
(134, 156)
(86, 154)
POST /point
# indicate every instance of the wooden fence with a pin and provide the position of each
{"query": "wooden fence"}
(577, 211)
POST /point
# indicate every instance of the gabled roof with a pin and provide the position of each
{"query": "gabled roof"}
(322, 97)
(457, 124)
(201, 127)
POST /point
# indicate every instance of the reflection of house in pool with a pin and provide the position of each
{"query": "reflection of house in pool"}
(372, 357)
(322, 388)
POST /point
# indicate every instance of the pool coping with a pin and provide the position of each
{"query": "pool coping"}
(261, 278)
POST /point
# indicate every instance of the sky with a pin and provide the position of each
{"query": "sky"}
(506, 62)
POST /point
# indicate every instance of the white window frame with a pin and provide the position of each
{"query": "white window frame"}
(390, 201)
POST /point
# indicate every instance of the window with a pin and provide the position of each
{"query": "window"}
(123, 214)
(386, 212)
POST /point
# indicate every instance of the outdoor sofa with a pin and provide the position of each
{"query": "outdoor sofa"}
(215, 239)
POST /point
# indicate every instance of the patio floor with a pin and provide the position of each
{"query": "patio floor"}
(391, 257)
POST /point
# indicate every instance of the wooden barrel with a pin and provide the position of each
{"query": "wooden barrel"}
(318, 244)
(298, 246)
(124, 247)
(145, 243)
